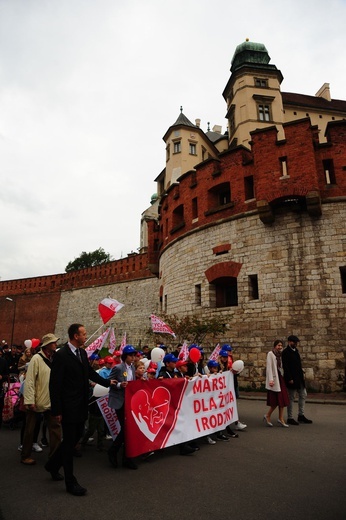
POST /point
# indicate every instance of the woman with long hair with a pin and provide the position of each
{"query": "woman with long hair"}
(277, 395)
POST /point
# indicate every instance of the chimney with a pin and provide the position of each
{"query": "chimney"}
(198, 122)
(324, 92)
(217, 129)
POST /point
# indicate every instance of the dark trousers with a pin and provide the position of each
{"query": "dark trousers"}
(63, 456)
(32, 428)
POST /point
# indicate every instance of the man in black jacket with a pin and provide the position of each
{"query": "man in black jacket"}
(294, 379)
(69, 392)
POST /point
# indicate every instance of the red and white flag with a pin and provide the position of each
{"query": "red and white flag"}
(112, 342)
(123, 343)
(108, 308)
(98, 343)
(215, 354)
(160, 326)
(184, 352)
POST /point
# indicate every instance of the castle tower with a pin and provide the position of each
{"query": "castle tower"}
(253, 94)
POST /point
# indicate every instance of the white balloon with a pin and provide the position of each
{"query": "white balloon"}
(100, 391)
(28, 343)
(146, 362)
(238, 366)
(157, 354)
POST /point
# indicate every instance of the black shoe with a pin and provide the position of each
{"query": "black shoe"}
(303, 419)
(194, 445)
(186, 450)
(56, 476)
(292, 421)
(222, 437)
(44, 442)
(76, 490)
(130, 464)
(231, 433)
(112, 457)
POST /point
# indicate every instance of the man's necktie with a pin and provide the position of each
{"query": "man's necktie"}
(78, 354)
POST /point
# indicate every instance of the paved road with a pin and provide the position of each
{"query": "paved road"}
(267, 473)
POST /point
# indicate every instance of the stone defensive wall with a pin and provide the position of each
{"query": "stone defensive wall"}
(51, 303)
(289, 237)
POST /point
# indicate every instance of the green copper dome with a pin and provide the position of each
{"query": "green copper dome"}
(249, 53)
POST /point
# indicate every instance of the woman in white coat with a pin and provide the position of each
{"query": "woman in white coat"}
(277, 395)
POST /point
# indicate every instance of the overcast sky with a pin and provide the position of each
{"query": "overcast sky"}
(89, 87)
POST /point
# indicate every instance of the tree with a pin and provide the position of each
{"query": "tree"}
(97, 257)
(194, 329)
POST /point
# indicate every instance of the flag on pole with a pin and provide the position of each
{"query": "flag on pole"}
(108, 308)
(98, 343)
(215, 354)
(160, 326)
(112, 343)
(123, 343)
(184, 352)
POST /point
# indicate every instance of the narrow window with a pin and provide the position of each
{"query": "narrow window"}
(168, 152)
(165, 309)
(177, 147)
(329, 173)
(253, 287)
(343, 279)
(249, 187)
(198, 294)
(204, 154)
(193, 149)
(283, 164)
(194, 208)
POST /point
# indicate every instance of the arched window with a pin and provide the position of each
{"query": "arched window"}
(224, 292)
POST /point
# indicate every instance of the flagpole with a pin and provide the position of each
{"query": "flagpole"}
(96, 331)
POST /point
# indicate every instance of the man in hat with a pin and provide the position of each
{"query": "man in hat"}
(294, 379)
(37, 400)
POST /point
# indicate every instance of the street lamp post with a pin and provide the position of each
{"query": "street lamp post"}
(14, 317)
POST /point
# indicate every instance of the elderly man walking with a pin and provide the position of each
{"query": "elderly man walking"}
(37, 400)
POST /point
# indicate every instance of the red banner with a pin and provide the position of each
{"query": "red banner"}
(164, 412)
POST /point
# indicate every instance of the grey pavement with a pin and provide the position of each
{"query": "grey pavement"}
(267, 473)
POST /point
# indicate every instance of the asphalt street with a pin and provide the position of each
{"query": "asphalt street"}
(267, 473)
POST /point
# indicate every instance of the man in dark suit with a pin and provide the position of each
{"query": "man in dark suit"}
(69, 392)
(122, 373)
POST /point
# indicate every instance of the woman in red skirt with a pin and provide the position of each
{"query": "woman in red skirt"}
(277, 394)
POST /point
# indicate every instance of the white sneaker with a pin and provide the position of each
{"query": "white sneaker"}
(240, 426)
(91, 439)
(210, 440)
(108, 437)
(36, 447)
(20, 447)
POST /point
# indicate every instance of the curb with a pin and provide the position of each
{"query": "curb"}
(317, 401)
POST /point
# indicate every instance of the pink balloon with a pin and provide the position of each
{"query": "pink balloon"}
(194, 355)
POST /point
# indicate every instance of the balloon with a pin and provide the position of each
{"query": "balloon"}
(195, 355)
(100, 391)
(157, 354)
(146, 363)
(28, 343)
(238, 366)
(35, 342)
